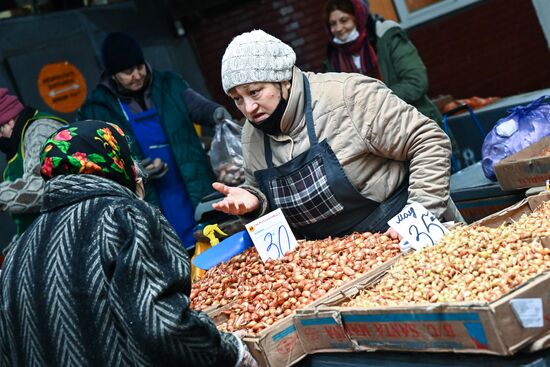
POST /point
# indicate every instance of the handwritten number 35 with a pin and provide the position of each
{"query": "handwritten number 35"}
(427, 230)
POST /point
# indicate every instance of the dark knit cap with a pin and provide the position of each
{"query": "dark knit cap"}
(120, 51)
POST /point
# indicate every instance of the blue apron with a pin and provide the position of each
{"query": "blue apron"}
(174, 201)
(315, 195)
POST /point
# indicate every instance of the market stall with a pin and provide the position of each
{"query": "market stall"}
(358, 294)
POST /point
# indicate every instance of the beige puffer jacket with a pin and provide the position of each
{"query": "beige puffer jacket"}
(374, 134)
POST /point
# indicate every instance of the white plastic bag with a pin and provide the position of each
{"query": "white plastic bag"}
(226, 153)
(525, 125)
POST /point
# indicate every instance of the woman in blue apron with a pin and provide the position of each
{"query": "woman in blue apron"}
(336, 152)
(174, 201)
(157, 109)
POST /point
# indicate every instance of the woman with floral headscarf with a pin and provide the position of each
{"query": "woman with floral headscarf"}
(101, 278)
(366, 44)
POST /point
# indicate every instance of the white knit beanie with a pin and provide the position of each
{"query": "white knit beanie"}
(256, 57)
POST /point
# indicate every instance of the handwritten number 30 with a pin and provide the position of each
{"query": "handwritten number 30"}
(268, 238)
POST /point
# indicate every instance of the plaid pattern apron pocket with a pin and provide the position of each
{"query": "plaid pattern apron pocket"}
(304, 196)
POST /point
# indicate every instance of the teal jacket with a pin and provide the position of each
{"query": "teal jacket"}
(402, 68)
(166, 92)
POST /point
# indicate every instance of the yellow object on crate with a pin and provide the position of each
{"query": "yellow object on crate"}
(209, 232)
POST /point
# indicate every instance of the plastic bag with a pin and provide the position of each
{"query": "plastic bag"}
(524, 126)
(226, 153)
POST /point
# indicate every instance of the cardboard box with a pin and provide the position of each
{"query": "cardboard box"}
(474, 210)
(527, 168)
(465, 327)
(476, 196)
(279, 345)
(491, 328)
(514, 212)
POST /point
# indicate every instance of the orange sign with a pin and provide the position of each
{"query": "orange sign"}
(62, 86)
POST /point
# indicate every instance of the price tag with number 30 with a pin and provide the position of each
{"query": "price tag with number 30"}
(418, 226)
(272, 235)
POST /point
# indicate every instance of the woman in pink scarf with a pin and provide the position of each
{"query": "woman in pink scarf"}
(366, 44)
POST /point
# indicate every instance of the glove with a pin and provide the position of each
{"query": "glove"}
(153, 169)
(221, 114)
(248, 360)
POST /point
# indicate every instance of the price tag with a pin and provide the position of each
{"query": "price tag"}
(418, 226)
(272, 235)
(528, 311)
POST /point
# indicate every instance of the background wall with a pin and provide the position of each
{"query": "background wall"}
(28, 43)
(491, 48)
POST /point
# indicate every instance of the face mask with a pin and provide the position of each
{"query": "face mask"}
(272, 124)
(352, 36)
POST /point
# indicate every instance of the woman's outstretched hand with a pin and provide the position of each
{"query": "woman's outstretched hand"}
(237, 201)
(392, 233)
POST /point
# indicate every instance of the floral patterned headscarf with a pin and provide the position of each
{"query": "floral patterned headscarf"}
(89, 147)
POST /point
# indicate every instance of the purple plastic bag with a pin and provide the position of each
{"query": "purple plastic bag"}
(524, 126)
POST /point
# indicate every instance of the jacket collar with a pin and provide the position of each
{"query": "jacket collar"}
(293, 121)
(70, 189)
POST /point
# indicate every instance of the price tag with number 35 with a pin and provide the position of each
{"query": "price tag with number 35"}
(272, 235)
(418, 226)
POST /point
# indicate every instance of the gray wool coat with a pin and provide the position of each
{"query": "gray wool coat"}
(101, 279)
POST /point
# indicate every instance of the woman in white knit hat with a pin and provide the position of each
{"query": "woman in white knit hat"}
(337, 152)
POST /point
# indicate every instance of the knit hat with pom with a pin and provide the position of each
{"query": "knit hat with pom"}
(254, 57)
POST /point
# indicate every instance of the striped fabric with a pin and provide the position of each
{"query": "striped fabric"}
(24, 195)
(101, 279)
(305, 196)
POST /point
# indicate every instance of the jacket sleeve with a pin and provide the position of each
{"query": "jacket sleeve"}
(411, 73)
(150, 287)
(201, 109)
(4, 348)
(24, 195)
(251, 143)
(395, 130)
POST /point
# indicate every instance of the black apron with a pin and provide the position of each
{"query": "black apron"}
(315, 195)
